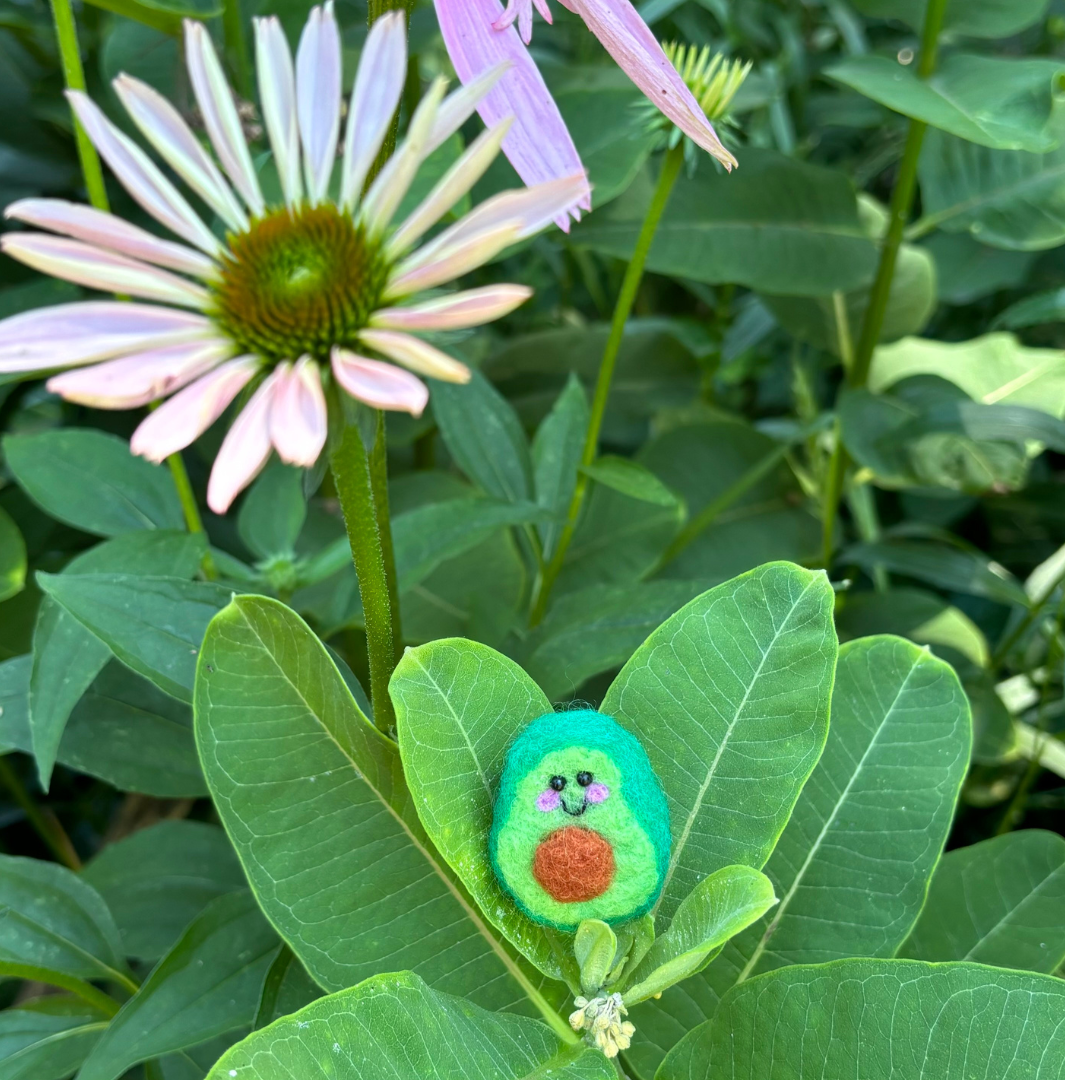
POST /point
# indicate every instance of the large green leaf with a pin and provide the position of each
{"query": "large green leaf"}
(154, 625)
(314, 800)
(1007, 198)
(786, 227)
(67, 656)
(206, 985)
(48, 1038)
(12, 558)
(90, 480)
(158, 880)
(53, 926)
(882, 1020)
(992, 369)
(396, 1026)
(730, 699)
(459, 705)
(998, 902)
(123, 731)
(1002, 103)
(973, 18)
(853, 865)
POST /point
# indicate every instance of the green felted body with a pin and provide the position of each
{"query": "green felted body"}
(633, 818)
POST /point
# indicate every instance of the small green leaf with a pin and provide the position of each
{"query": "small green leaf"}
(971, 18)
(163, 15)
(556, 453)
(90, 480)
(718, 908)
(53, 922)
(484, 436)
(880, 1018)
(997, 902)
(12, 558)
(273, 512)
(158, 880)
(395, 1025)
(1002, 103)
(48, 1038)
(1038, 310)
(632, 479)
(206, 985)
(594, 948)
(154, 625)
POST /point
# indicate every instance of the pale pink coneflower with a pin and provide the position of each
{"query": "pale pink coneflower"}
(479, 34)
(295, 296)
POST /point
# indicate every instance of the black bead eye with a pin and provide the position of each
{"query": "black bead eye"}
(584, 778)
(557, 783)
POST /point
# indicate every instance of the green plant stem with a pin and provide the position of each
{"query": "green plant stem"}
(74, 77)
(622, 309)
(236, 47)
(191, 512)
(85, 990)
(379, 485)
(1002, 652)
(876, 309)
(377, 8)
(352, 472)
(46, 825)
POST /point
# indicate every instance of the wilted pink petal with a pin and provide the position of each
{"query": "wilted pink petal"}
(298, 420)
(522, 11)
(416, 354)
(628, 39)
(106, 230)
(457, 312)
(538, 145)
(96, 268)
(82, 332)
(384, 386)
(245, 449)
(187, 415)
(136, 380)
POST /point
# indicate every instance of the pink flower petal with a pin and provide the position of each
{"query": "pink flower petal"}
(416, 354)
(69, 334)
(245, 449)
(140, 176)
(109, 231)
(96, 268)
(298, 419)
(384, 386)
(538, 145)
(378, 86)
(143, 377)
(318, 98)
(474, 307)
(460, 104)
(162, 125)
(618, 26)
(452, 261)
(219, 112)
(187, 415)
(277, 92)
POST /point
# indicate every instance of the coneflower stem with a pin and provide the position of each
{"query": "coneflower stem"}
(379, 484)
(74, 77)
(44, 822)
(353, 476)
(622, 309)
(876, 309)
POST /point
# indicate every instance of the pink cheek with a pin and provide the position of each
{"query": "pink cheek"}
(547, 801)
(597, 793)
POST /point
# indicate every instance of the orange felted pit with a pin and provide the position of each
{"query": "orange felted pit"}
(574, 864)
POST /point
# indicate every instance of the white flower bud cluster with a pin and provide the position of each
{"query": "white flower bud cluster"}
(601, 1018)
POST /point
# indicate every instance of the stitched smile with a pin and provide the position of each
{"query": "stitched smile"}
(575, 813)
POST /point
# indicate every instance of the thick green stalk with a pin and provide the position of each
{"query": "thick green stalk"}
(377, 8)
(876, 309)
(623, 308)
(74, 76)
(379, 484)
(352, 473)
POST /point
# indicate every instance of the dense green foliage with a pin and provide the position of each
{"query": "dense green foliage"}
(819, 574)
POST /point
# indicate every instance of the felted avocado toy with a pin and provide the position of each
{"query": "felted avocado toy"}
(581, 827)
